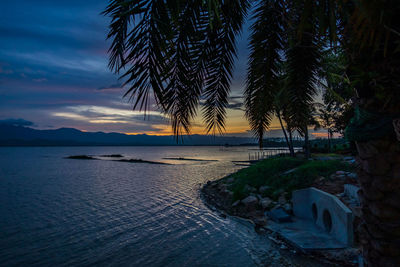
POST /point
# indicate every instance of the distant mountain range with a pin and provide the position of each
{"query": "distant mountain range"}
(13, 135)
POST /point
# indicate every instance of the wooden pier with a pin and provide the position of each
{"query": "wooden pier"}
(268, 152)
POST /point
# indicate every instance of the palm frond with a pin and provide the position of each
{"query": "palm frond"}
(263, 74)
(302, 63)
(218, 56)
(179, 51)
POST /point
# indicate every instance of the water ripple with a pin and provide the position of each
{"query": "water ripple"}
(84, 213)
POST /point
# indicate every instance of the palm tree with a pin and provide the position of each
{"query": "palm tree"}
(281, 112)
(326, 119)
(184, 50)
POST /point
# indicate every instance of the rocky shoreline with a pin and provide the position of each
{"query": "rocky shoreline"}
(253, 207)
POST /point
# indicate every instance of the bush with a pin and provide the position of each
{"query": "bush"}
(271, 172)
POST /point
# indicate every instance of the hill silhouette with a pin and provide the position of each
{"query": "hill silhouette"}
(15, 135)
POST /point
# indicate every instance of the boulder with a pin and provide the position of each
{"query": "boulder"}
(263, 189)
(352, 175)
(288, 208)
(279, 215)
(227, 192)
(266, 202)
(236, 203)
(250, 189)
(250, 202)
(282, 199)
(260, 221)
(222, 187)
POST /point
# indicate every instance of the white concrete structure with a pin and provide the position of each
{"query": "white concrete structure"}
(351, 191)
(327, 212)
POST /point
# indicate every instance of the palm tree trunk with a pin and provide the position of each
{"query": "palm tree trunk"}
(306, 143)
(379, 177)
(284, 132)
(329, 141)
(291, 143)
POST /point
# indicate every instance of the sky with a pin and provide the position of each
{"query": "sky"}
(53, 72)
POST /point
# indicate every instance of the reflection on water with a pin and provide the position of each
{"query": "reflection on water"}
(57, 211)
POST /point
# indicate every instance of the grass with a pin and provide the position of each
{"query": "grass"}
(326, 155)
(272, 173)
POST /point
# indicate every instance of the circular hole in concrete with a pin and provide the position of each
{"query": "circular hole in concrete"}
(327, 219)
(314, 212)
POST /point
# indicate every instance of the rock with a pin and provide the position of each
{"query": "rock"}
(260, 230)
(353, 161)
(289, 171)
(227, 192)
(250, 189)
(279, 192)
(276, 241)
(260, 221)
(250, 202)
(288, 208)
(340, 173)
(236, 203)
(279, 215)
(222, 186)
(263, 189)
(230, 180)
(275, 206)
(266, 202)
(282, 199)
(352, 175)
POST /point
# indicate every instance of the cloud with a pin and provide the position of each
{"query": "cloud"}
(106, 115)
(39, 80)
(234, 102)
(111, 87)
(56, 54)
(17, 122)
(5, 71)
(236, 106)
